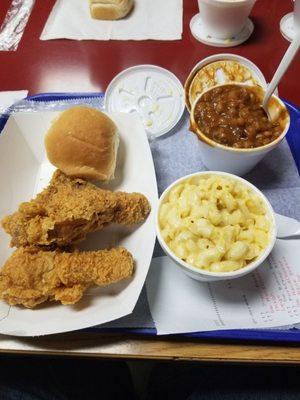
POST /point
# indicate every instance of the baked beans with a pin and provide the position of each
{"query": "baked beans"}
(232, 115)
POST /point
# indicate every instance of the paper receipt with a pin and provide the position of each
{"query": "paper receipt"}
(268, 297)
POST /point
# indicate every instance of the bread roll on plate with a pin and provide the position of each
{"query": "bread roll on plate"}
(110, 9)
(83, 142)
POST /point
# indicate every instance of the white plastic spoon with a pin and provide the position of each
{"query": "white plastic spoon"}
(287, 227)
(283, 66)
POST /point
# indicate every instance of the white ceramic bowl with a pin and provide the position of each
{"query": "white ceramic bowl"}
(236, 161)
(207, 276)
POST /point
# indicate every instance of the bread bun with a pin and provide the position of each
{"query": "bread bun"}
(110, 9)
(83, 142)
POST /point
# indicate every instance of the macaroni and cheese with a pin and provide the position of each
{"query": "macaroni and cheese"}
(214, 223)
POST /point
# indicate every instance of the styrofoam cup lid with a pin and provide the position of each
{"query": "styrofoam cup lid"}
(152, 92)
(287, 26)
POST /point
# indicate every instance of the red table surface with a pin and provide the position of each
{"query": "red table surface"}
(70, 65)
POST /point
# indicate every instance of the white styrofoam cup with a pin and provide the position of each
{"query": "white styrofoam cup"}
(218, 157)
(224, 19)
(208, 276)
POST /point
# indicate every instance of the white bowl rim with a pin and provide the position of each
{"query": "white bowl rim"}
(259, 149)
(232, 274)
(224, 57)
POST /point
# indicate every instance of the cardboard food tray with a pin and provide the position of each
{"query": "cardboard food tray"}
(270, 335)
(26, 171)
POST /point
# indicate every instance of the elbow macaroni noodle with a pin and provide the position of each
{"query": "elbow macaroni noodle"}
(214, 223)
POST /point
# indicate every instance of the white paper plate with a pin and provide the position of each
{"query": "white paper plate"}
(153, 93)
(25, 170)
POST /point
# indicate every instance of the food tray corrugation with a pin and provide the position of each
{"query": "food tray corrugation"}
(266, 335)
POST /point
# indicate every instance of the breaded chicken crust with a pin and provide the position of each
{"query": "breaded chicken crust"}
(31, 276)
(68, 209)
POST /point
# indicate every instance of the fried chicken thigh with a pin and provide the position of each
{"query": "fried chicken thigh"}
(31, 276)
(68, 209)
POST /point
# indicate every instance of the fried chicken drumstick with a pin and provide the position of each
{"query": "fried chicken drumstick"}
(68, 209)
(31, 276)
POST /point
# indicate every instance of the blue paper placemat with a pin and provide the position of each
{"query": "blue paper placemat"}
(278, 178)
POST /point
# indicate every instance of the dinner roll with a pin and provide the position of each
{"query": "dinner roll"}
(83, 142)
(110, 9)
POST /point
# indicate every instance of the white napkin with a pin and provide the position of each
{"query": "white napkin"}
(9, 98)
(150, 19)
(266, 298)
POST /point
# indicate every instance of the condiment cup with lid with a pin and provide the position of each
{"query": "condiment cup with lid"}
(233, 160)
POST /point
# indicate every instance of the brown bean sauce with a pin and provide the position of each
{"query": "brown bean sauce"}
(232, 116)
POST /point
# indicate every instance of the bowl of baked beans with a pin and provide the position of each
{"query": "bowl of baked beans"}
(234, 131)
